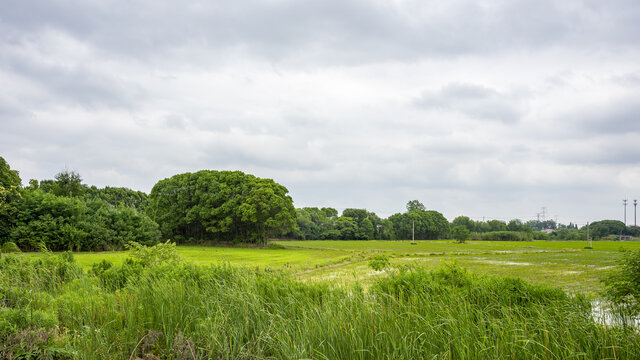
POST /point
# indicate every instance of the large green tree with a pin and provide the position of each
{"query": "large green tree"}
(464, 221)
(415, 205)
(10, 197)
(425, 224)
(118, 196)
(604, 228)
(316, 224)
(71, 223)
(66, 183)
(8, 177)
(213, 205)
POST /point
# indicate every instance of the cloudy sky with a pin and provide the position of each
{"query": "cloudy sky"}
(482, 108)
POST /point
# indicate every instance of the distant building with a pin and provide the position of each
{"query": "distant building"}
(624, 237)
(548, 231)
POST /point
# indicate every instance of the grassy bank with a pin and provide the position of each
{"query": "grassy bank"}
(52, 308)
(565, 264)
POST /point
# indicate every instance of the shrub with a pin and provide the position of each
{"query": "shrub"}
(622, 287)
(9, 247)
(460, 233)
(506, 236)
(379, 262)
(62, 223)
(153, 255)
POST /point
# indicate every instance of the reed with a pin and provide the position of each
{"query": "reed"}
(184, 311)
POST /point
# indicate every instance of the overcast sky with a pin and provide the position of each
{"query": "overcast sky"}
(478, 108)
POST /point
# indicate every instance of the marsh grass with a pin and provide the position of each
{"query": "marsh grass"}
(185, 311)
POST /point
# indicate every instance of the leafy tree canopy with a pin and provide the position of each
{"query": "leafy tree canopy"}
(415, 205)
(221, 206)
(603, 228)
(8, 177)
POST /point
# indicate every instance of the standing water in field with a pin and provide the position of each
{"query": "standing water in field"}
(603, 314)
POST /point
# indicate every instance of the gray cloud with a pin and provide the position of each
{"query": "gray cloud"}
(481, 108)
(343, 31)
(80, 84)
(605, 116)
(621, 117)
(474, 101)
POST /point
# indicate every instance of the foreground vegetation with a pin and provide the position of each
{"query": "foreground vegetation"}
(564, 264)
(153, 305)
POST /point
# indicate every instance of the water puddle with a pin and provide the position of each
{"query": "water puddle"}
(602, 313)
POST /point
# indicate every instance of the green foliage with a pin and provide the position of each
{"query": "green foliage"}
(9, 247)
(379, 262)
(516, 225)
(464, 221)
(65, 223)
(600, 229)
(429, 225)
(506, 236)
(497, 225)
(56, 215)
(540, 235)
(414, 205)
(569, 233)
(181, 311)
(34, 344)
(347, 227)
(622, 287)
(157, 255)
(460, 233)
(10, 199)
(67, 183)
(119, 196)
(49, 272)
(481, 290)
(366, 229)
(539, 225)
(8, 178)
(314, 223)
(354, 224)
(221, 206)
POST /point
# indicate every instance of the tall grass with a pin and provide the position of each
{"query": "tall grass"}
(183, 311)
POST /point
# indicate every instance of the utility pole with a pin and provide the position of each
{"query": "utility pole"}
(635, 205)
(413, 231)
(588, 240)
(624, 203)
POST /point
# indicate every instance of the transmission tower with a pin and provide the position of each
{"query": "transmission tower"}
(635, 205)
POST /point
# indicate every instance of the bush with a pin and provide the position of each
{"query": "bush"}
(48, 272)
(622, 287)
(460, 233)
(379, 262)
(9, 247)
(506, 236)
(62, 223)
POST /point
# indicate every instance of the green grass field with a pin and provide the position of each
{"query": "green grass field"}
(565, 264)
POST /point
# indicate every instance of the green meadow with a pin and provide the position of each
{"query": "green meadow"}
(565, 264)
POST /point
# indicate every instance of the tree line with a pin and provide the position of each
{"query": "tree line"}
(65, 214)
(360, 224)
(553, 230)
(227, 206)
